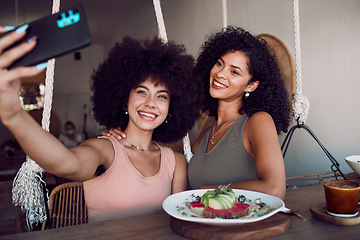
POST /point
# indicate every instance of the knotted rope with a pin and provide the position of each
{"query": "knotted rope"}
(27, 191)
(301, 104)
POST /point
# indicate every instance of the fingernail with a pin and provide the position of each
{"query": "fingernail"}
(22, 29)
(41, 66)
(9, 28)
(119, 137)
(108, 134)
(32, 39)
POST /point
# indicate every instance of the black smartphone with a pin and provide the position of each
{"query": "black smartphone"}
(56, 34)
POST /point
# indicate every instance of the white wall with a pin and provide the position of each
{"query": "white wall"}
(330, 50)
(329, 42)
(72, 87)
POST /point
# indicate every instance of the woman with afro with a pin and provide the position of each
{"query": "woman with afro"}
(144, 87)
(245, 93)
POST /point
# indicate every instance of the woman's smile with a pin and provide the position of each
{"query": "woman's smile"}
(218, 85)
(148, 104)
(229, 77)
(149, 116)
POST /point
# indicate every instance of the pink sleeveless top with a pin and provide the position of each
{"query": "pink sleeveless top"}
(122, 191)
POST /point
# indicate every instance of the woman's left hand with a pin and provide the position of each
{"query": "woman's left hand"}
(10, 80)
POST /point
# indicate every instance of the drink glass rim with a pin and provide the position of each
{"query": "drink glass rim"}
(326, 183)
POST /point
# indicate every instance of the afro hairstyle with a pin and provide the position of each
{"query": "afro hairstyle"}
(130, 63)
(270, 96)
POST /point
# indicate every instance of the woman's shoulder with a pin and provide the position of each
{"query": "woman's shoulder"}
(180, 161)
(179, 157)
(260, 116)
(101, 144)
(259, 121)
(173, 158)
(99, 140)
(167, 150)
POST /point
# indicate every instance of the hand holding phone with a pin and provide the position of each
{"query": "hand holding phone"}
(56, 35)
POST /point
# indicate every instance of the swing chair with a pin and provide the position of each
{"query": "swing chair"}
(301, 105)
(291, 73)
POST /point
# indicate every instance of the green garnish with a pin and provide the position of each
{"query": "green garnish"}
(214, 193)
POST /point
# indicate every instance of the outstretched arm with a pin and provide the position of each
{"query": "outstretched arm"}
(40, 145)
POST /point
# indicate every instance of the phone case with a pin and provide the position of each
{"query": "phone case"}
(57, 35)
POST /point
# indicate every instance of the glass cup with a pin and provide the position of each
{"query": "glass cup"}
(342, 197)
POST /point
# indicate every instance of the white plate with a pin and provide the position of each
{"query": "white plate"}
(174, 201)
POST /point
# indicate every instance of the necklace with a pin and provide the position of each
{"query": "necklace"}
(134, 146)
(213, 135)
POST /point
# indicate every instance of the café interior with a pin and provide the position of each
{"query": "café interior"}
(323, 71)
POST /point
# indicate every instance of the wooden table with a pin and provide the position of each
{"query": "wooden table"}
(157, 226)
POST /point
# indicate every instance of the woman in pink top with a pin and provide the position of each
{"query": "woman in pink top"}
(144, 87)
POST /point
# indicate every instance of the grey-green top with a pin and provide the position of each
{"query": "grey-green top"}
(227, 162)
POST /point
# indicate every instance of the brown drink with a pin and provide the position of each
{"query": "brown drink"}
(342, 197)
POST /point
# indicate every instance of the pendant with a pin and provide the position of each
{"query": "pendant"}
(138, 148)
(212, 141)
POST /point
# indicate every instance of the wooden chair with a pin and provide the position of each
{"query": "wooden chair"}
(66, 206)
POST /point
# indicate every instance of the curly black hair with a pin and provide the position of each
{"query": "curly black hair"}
(130, 63)
(270, 96)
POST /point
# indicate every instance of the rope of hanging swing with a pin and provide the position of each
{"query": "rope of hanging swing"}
(300, 103)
